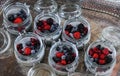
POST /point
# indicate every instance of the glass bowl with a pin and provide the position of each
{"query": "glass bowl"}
(69, 10)
(100, 58)
(48, 27)
(63, 57)
(41, 70)
(17, 17)
(77, 31)
(29, 49)
(47, 6)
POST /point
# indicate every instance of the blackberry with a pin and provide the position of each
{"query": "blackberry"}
(50, 21)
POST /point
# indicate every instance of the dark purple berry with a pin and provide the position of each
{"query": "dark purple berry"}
(11, 17)
(69, 28)
(40, 23)
(80, 26)
(108, 59)
(56, 59)
(50, 21)
(19, 46)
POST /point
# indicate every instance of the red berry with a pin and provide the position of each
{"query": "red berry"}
(18, 20)
(63, 62)
(95, 49)
(101, 62)
(95, 55)
(102, 56)
(27, 51)
(59, 54)
(47, 27)
(85, 30)
(77, 35)
(105, 51)
(39, 28)
(91, 52)
(20, 51)
(67, 33)
(33, 40)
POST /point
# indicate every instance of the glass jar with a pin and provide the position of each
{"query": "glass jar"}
(48, 27)
(17, 17)
(63, 57)
(5, 44)
(100, 58)
(69, 10)
(29, 49)
(41, 70)
(77, 31)
(45, 6)
(112, 34)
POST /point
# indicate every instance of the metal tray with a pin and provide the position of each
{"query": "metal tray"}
(98, 20)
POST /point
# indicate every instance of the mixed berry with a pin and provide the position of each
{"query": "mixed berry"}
(100, 55)
(28, 47)
(76, 32)
(18, 17)
(64, 55)
(47, 26)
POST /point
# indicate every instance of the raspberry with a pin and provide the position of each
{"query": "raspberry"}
(47, 27)
(63, 62)
(27, 51)
(95, 49)
(18, 20)
(95, 55)
(67, 33)
(91, 52)
(102, 56)
(59, 54)
(77, 35)
(105, 51)
(101, 62)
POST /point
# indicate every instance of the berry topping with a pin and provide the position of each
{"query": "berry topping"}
(100, 55)
(63, 62)
(18, 20)
(50, 21)
(27, 51)
(77, 35)
(59, 54)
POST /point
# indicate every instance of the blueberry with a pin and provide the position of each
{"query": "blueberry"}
(63, 57)
(74, 29)
(100, 47)
(59, 48)
(108, 58)
(80, 26)
(53, 28)
(22, 11)
(11, 17)
(28, 43)
(39, 23)
(50, 21)
(56, 59)
(69, 58)
(69, 28)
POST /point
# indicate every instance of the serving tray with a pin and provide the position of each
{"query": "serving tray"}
(98, 20)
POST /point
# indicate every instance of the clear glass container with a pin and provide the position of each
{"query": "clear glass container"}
(41, 70)
(68, 35)
(5, 44)
(69, 10)
(45, 6)
(65, 64)
(17, 17)
(100, 58)
(29, 49)
(112, 34)
(54, 30)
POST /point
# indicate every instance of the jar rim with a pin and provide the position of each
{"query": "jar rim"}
(5, 35)
(40, 66)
